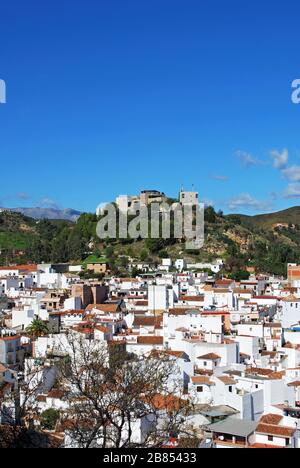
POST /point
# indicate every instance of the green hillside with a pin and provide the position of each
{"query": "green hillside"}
(241, 241)
(289, 216)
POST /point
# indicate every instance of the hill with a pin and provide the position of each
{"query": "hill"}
(289, 216)
(47, 213)
(26, 239)
(241, 241)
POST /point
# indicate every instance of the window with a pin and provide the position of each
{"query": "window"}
(287, 442)
(205, 363)
(270, 438)
(230, 389)
(200, 389)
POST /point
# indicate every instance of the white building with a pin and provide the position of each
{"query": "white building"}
(189, 198)
(160, 298)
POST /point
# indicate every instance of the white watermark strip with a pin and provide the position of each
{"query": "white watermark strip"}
(2, 92)
(296, 92)
(156, 221)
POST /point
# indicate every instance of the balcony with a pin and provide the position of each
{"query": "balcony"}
(228, 442)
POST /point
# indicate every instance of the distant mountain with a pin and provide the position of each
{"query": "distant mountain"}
(67, 214)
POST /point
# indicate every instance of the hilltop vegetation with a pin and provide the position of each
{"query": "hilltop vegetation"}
(25, 239)
(241, 241)
(289, 216)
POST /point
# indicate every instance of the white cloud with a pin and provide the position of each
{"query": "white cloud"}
(48, 203)
(247, 159)
(220, 178)
(280, 159)
(292, 173)
(274, 196)
(292, 191)
(23, 196)
(246, 201)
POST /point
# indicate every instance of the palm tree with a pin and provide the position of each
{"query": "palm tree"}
(37, 328)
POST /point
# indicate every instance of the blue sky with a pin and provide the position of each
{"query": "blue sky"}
(110, 97)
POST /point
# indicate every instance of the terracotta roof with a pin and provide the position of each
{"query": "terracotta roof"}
(202, 380)
(20, 267)
(227, 380)
(180, 311)
(272, 325)
(210, 357)
(221, 291)
(70, 312)
(294, 384)
(103, 307)
(102, 329)
(269, 353)
(2, 368)
(277, 375)
(55, 393)
(41, 398)
(178, 354)
(228, 341)
(258, 371)
(242, 291)
(154, 340)
(280, 431)
(290, 298)
(215, 312)
(223, 282)
(193, 298)
(199, 371)
(271, 419)
(147, 321)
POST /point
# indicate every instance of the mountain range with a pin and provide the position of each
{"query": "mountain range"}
(67, 214)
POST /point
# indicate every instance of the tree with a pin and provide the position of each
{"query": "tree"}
(76, 246)
(49, 419)
(37, 328)
(163, 254)
(109, 252)
(210, 215)
(59, 246)
(112, 391)
(19, 408)
(155, 245)
(241, 275)
(144, 255)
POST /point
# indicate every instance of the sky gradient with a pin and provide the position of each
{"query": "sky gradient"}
(111, 97)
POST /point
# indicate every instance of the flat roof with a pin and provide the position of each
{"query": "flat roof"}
(219, 411)
(234, 427)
